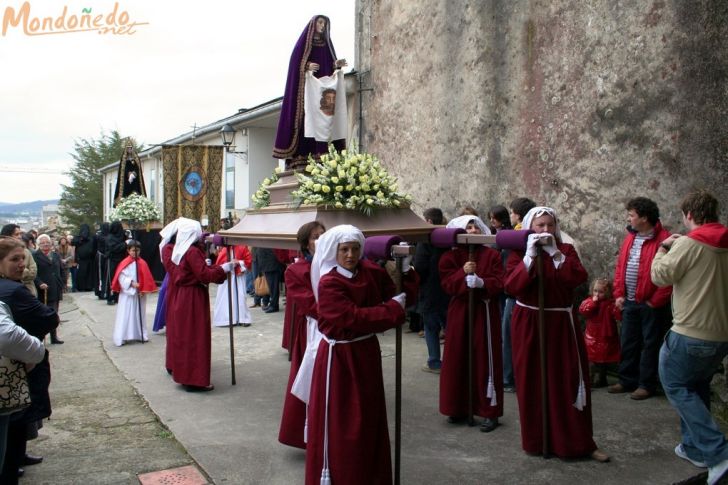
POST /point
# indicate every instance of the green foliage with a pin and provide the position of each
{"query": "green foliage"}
(83, 201)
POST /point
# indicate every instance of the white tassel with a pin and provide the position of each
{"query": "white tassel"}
(305, 429)
(325, 477)
(580, 397)
(491, 392)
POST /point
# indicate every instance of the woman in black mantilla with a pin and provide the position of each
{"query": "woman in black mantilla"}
(115, 253)
(85, 253)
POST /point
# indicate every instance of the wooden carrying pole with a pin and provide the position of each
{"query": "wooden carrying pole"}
(542, 354)
(399, 253)
(472, 241)
(231, 280)
(471, 318)
(139, 297)
(381, 248)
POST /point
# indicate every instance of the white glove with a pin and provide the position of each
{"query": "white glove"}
(531, 250)
(242, 267)
(401, 299)
(550, 248)
(208, 262)
(228, 267)
(474, 281)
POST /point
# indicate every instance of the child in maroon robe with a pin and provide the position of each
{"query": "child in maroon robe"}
(568, 392)
(484, 276)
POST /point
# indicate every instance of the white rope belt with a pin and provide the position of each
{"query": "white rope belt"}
(580, 401)
(325, 474)
(489, 387)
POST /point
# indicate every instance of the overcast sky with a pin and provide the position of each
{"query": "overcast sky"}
(192, 63)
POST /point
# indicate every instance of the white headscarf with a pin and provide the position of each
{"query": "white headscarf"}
(463, 221)
(188, 232)
(538, 212)
(167, 233)
(324, 259)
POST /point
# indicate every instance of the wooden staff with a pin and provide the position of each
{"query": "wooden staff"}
(230, 279)
(542, 353)
(139, 295)
(399, 252)
(471, 318)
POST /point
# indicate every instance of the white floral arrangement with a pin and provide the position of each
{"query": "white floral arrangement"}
(348, 180)
(261, 197)
(135, 208)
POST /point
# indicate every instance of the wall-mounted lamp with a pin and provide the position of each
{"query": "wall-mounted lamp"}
(228, 136)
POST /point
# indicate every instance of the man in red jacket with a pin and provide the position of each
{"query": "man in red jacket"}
(642, 303)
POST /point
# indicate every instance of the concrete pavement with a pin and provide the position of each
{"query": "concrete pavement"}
(231, 432)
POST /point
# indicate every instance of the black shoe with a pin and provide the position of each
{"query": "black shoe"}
(270, 309)
(247, 324)
(489, 425)
(198, 388)
(56, 341)
(456, 419)
(21, 472)
(29, 460)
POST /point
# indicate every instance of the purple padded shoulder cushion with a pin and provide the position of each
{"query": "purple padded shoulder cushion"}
(445, 237)
(380, 247)
(511, 239)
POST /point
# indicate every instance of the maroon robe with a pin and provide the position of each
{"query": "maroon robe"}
(358, 433)
(190, 309)
(300, 295)
(601, 336)
(169, 296)
(570, 430)
(454, 373)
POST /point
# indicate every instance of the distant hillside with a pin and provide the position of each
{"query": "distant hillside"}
(25, 207)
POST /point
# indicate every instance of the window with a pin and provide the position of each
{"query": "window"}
(153, 185)
(229, 181)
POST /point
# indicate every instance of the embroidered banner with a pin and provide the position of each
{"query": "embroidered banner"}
(193, 183)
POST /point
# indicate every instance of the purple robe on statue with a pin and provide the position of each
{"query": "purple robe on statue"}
(290, 143)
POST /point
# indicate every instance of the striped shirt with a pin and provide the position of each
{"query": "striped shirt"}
(633, 264)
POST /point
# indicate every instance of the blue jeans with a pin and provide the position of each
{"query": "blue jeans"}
(508, 379)
(687, 366)
(641, 336)
(249, 288)
(434, 321)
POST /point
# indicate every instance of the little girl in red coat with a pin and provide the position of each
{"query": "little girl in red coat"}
(601, 335)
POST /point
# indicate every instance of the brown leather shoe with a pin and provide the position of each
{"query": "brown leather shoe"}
(616, 389)
(600, 456)
(640, 394)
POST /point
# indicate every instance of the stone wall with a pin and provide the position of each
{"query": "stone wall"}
(578, 104)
